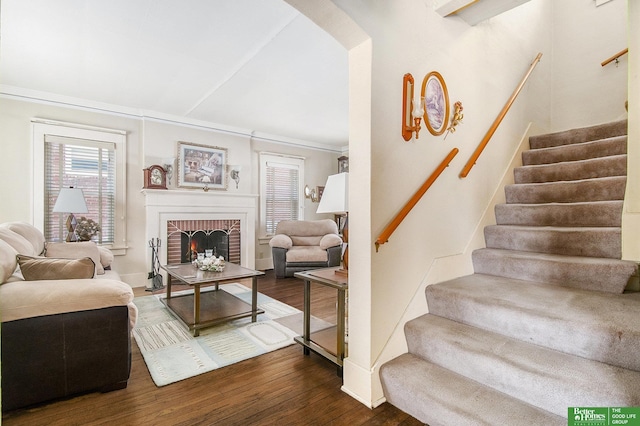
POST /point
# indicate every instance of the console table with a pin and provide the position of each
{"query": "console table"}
(330, 342)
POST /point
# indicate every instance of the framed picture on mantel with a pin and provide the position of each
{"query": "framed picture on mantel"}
(202, 166)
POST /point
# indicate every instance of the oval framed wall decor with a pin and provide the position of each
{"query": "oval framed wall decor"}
(436, 100)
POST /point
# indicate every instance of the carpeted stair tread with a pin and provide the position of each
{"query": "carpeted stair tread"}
(439, 397)
(598, 213)
(615, 165)
(570, 241)
(580, 151)
(543, 377)
(588, 273)
(591, 133)
(593, 325)
(600, 189)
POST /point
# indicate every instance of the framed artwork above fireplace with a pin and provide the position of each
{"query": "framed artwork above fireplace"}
(202, 166)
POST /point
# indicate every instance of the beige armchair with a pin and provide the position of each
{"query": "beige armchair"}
(300, 245)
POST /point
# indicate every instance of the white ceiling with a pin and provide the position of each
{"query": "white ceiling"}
(254, 65)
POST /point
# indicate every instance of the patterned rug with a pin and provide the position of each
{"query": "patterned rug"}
(173, 354)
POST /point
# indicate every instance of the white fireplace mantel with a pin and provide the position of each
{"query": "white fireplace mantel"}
(165, 205)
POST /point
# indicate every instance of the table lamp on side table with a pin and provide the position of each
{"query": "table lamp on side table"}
(335, 199)
(70, 200)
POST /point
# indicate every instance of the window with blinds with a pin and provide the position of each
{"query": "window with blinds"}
(280, 190)
(85, 164)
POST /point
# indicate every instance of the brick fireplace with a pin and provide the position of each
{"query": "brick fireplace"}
(173, 211)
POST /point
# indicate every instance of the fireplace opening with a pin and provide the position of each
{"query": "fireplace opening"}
(212, 242)
(187, 238)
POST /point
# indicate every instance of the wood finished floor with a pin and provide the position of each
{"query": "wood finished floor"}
(283, 387)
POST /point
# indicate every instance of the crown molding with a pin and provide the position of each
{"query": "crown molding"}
(34, 96)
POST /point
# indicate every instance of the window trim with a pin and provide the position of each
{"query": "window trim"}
(40, 129)
(267, 157)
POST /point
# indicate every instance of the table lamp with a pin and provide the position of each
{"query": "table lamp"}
(70, 200)
(335, 199)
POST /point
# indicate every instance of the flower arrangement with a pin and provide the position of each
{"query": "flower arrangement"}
(86, 229)
(456, 119)
(214, 264)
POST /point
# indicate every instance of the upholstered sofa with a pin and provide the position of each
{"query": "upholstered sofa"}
(66, 321)
(300, 245)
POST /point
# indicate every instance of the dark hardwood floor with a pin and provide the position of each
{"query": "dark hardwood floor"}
(283, 387)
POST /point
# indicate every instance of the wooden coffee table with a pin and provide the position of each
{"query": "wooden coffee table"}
(198, 310)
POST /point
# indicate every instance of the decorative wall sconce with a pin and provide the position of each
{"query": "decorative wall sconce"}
(412, 109)
(168, 166)
(456, 119)
(311, 193)
(235, 174)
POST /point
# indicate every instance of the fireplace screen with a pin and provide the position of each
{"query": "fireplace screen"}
(212, 242)
(187, 238)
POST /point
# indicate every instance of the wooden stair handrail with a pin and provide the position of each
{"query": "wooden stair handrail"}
(384, 236)
(614, 57)
(472, 161)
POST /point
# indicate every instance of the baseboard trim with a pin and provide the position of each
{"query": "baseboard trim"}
(362, 384)
(136, 280)
(373, 404)
(264, 264)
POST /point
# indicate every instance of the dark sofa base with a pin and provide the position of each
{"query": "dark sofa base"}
(56, 356)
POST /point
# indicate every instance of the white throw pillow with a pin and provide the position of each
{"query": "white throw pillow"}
(17, 241)
(106, 256)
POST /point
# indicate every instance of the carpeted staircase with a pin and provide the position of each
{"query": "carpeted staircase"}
(543, 323)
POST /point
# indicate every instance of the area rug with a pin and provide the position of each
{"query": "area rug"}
(172, 354)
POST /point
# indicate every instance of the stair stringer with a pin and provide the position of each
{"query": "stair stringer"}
(441, 267)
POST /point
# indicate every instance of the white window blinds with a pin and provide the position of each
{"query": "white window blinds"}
(86, 164)
(281, 192)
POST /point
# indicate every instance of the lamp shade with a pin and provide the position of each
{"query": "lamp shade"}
(70, 200)
(335, 197)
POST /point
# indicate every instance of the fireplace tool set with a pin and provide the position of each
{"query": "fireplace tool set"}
(154, 275)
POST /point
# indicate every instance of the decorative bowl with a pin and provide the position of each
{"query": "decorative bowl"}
(211, 264)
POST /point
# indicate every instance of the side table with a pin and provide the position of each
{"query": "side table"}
(330, 342)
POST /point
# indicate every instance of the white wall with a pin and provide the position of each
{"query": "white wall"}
(148, 142)
(584, 92)
(160, 141)
(631, 215)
